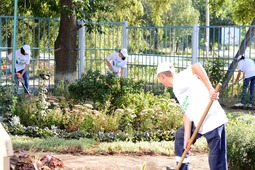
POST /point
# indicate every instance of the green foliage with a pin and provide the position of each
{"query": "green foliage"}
(181, 12)
(54, 117)
(240, 145)
(126, 113)
(26, 110)
(91, 85)
(42, 104)
(106, 123)
(61, 89)
(102, 89)
(241, 11)
(53, 144)
(8, 100)
(139, 117)
(33, 111)
(87, 123)
(157, 10)
(72, 120)
(149, 112)
(32, 131)
(215, 70)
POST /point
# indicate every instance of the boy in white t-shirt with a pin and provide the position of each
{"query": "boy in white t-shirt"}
(247, 66)
(194, 90)
(117, 62)
(22, 63)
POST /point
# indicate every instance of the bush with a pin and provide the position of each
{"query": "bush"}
(215, 70)
(61, 89)
(240, 142)
(125, 113)
(26, 111)
(8, 100)
(148, 112)
(100, 88)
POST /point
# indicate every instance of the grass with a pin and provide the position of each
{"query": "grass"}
(51, 144)
(90, 146)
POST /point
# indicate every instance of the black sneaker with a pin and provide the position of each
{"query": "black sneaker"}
(170, 168)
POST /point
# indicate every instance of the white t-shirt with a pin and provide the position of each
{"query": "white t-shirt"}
(193, 97)
(116, 62)
(21, 60)
(247, 66)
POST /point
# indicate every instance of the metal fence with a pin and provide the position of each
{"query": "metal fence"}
(40, 34)
(147, 46)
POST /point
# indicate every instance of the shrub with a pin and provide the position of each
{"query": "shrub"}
(26, 111)
(72, 120)
(87, 123)
(106, 123)
(61, 88)
(240, 142)
(150, 112)
(8, 100)
(215, 70)
(100, 88)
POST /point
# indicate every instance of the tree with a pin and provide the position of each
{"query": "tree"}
(181, 13)
(130, 11)
(65, 58)
(242, 11)
(220, 14)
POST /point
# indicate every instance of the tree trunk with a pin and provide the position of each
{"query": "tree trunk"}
(244, 44)
(65, 45)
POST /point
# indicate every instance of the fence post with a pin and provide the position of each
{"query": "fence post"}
(1, 48)
(124, 34)
(81, 49)
(125, 40)
(195, 35)
(14, 37)
(6, 149)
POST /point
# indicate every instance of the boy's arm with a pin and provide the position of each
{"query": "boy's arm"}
(238, 76)
(109, 65)
(187, 131)
(9, 58)
(25, 69)
(198, 69)
(122, 72)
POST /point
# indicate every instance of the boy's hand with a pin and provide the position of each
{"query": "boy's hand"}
(18, 75)
(186, 145)
(3, 67)
(214, 95)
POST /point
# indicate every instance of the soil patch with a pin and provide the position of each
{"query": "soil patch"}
(199, 161)
(230, 107)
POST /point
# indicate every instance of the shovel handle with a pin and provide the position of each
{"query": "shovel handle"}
(191, 140)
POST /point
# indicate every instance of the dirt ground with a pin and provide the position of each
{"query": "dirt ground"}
(127, 162)
(230, 107)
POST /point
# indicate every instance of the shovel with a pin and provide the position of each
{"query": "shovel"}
(20, 80)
